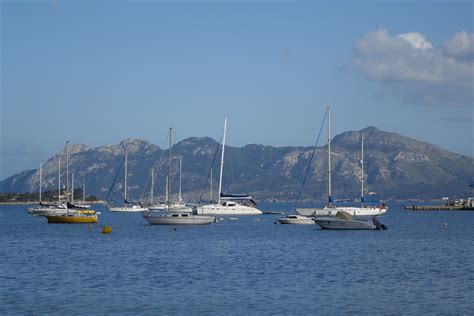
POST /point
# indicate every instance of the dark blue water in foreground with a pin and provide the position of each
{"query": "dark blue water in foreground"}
(245, 266)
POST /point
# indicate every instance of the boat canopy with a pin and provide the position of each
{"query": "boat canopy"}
(231, 197)
(343, 215)
(235, 196)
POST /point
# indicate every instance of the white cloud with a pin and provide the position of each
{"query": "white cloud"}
(416, 40)
(460, 46)
(410, 67)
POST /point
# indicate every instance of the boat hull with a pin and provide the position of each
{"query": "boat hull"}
(355, 211)
(128, 209)
(300, 220)
(168, 219)
(73, 219)
(217, 209)
(310, 212)
(48, 211)
(344, 224)
(363, 211)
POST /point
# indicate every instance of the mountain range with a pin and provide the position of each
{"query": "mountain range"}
(396, 167)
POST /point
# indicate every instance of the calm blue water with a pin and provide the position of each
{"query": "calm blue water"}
(245, 266)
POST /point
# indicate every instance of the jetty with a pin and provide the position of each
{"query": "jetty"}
(458, 205)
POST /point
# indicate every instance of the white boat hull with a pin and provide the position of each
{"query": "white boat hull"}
(311, 212)
(363, 211)
(295, 220)
(355, 211)
(236, 209)
(344, 224)
(177, 219)
(48, 211)
(128, 209)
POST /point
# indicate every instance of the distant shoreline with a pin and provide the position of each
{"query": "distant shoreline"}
(388, 202)
(37, 202)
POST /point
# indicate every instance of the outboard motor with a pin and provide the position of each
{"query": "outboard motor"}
(378, 224)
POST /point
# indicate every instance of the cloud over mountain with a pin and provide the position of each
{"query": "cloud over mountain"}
(409, 66)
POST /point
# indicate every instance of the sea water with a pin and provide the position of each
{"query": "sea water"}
(423, 263)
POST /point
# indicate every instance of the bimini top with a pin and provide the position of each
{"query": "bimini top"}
(237, 197)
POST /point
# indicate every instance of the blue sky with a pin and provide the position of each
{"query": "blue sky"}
(96, 72)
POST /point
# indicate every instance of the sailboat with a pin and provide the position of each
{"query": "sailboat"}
(363, 210)
(229, 204)
(70, 214)
(330, 209)
(128, 206)
(41, 206)
(49, 209)
(177, 206)
(174, 216)
(154, 206)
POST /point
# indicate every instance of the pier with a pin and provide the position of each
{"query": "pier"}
(439, 208)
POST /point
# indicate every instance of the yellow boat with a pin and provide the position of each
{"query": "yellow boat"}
(75, 217)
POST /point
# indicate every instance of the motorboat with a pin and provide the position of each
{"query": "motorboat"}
(295, 219)
(345, 221)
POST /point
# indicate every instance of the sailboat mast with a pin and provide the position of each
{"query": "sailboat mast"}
(152, 185)
(41, 175)
(329, 159)
(83, 191)
(169, 172)
(67, 171)
(211, 186)
(126, 174)
(166, 188)
(180, 171)
(72, 189)
(222, 161)
(59, 180)
(362, 171)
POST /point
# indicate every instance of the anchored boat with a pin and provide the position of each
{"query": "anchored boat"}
(74, 217)
(175, 215)
(295, 219)
(128, 206)
(229, 204)
(345, 221)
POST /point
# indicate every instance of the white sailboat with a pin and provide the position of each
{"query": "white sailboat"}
(330, 209)
(46, 209)
(229, 204)
(128, 206)
(177, 206)
(175, 216)
(68, 213)
(363, 210)
(153, 206)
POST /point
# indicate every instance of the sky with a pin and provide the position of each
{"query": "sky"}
(97, 72)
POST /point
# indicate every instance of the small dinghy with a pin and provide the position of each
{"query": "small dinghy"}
(345, 221)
